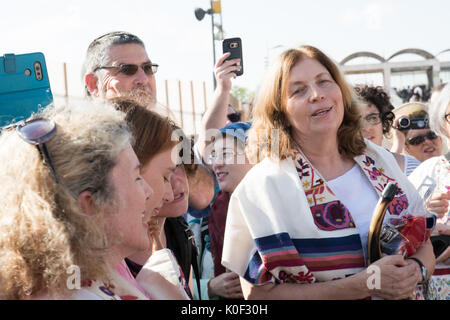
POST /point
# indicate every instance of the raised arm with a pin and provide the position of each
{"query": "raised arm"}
(215, 116)
(398, 138)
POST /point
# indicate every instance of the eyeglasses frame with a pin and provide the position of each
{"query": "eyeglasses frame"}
(154, 67)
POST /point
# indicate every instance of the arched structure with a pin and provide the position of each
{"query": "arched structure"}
(430, 64)
(362, 54)
(443, 51)
(425, 54)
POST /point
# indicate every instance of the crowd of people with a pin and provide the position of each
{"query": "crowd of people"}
(414, 94)
(280, 207)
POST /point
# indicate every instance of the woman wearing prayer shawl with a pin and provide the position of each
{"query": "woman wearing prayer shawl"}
(297, 224)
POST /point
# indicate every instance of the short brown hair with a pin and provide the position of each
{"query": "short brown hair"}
(154, 133)
(270, 110)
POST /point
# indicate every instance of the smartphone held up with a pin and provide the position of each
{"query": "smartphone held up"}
(234, 47)
(24, 86)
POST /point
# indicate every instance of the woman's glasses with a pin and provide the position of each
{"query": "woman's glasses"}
(38, 132)
(131, 69)
(447, 117)
(430, 135)
(224, 157)
(373, 118)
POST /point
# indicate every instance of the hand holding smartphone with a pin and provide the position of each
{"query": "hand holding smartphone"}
(234, 47)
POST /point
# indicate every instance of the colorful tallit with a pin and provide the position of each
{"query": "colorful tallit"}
(285, 225)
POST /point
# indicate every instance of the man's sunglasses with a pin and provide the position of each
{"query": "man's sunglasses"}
(131, 69)
(37, 132)
(430, 135)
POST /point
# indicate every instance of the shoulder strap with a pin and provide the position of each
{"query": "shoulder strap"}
(194, 252)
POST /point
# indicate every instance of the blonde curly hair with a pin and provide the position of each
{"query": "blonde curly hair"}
(42, 229)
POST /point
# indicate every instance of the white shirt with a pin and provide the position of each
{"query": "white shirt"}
(348, 189)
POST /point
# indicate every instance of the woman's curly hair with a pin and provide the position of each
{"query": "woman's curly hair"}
(380, 99)
(43, 230)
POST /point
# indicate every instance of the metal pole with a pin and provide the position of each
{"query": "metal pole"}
(193, 106)
(213, 43)
(181, 103)
(204, 97)
(66, 87)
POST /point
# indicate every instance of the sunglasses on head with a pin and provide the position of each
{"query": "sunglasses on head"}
(430, 135)
(37, 132)
(234, 117)
(131, 69)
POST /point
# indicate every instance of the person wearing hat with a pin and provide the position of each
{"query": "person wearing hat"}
(228, 158)
(412, 134)
(229, 164)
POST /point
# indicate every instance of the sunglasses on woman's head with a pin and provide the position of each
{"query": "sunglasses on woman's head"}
(38, 132)
(131, 69)
(234, 117)
(430, 135)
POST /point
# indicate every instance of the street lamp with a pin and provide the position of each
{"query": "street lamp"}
(199, 15)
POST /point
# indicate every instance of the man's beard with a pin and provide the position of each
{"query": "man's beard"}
(141, 95)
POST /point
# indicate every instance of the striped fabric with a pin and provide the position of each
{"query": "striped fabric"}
(284, 223)
(324, 254)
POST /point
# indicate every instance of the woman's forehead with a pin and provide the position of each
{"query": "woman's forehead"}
(417, 132)
(307, 68)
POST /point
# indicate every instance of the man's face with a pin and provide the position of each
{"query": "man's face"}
(112, 83)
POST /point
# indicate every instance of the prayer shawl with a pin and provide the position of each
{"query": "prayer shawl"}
(285, 225)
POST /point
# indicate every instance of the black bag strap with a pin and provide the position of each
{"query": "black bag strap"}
(190, 236)
(204, 232)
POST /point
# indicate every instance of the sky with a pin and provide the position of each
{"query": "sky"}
(182, 45)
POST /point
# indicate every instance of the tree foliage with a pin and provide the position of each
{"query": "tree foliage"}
(242, 94)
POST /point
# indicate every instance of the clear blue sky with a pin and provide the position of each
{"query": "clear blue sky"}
(182, 45)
